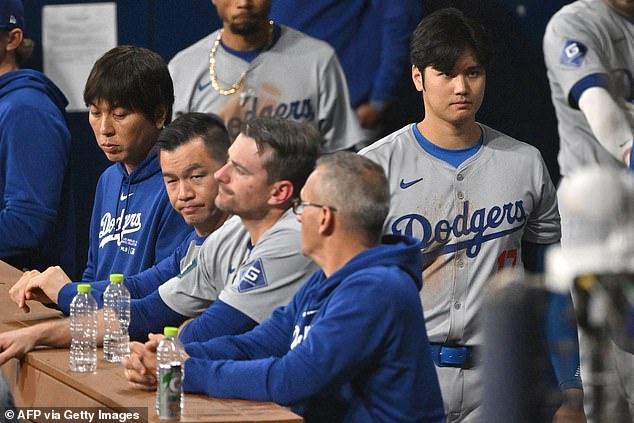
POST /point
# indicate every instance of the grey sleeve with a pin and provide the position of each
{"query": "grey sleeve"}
(544, 224)
(275, 271)
(336, 119)
(194, 289)
(573, 50)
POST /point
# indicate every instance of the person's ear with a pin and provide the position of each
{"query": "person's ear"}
(14, 39)
(281, 192)
(418, 77)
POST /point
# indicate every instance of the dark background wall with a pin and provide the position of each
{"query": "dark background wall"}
(517, 100)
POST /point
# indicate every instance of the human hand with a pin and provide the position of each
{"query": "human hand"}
(571, 410)
(17, 291)
(45, 287)
(368, 116)
(16, 343)
(140, 366)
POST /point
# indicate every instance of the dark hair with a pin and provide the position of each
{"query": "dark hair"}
(443, 36)
(132, 77)
(205, 126)
(358, 188)
(295, 147)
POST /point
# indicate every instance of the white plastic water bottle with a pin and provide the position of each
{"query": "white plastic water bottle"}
(116, 317)
(83, 330)
(169, 375)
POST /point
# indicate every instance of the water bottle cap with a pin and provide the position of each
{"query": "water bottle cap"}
(116, 277)
(170, 331)
(84, 288)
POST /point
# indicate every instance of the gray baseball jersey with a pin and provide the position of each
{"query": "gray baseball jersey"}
(253, 279)
(471, 221)
(587, 44)
(298, 78)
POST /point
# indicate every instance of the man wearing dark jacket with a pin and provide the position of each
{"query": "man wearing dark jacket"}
(351, 345)
(37, 227)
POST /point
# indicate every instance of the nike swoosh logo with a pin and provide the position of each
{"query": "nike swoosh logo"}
(202, 86)
(231, 269)
(405, 185)
(125, 196)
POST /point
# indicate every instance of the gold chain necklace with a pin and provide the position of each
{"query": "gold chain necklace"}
(213, 76)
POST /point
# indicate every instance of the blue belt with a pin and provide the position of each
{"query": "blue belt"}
(453, 356)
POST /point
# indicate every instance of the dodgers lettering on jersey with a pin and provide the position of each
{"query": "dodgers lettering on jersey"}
(117, 228)
(253, 106)
(463, 224)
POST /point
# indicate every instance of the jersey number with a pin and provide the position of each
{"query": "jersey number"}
(508, 258)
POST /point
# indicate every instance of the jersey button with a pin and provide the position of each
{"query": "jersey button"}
(460, 177)
(457, 305)
(461, 263)
(460, 195)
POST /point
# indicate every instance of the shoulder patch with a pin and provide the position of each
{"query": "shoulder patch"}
(573, 53)
(252, 276)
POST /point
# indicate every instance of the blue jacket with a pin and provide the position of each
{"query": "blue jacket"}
(139, 285)
(37, 224)
(352, 347)
(371, 38)
(133, 226)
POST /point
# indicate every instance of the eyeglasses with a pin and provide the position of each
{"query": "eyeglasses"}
(298, 206)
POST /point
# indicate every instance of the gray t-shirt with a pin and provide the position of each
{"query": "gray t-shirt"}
(253, 279)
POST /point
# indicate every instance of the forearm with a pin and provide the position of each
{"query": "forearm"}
(608, 121)
(56, 334)
(219, 319)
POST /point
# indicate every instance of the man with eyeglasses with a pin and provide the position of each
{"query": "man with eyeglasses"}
(351, 345)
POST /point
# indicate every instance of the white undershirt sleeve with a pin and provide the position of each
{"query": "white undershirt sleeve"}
(609, 121)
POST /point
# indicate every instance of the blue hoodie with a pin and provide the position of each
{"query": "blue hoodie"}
(37, 222)
(133, 225)
(348, 348)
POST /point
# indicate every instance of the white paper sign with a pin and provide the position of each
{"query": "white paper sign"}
(73, 38)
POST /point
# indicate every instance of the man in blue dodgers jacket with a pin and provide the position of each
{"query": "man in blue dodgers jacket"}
(348, 347)
(129, 93)
(191, 149)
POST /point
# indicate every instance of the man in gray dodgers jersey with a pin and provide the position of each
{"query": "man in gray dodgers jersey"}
(253, 263)
(474, 197)
(253, 67)
(589, 54)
